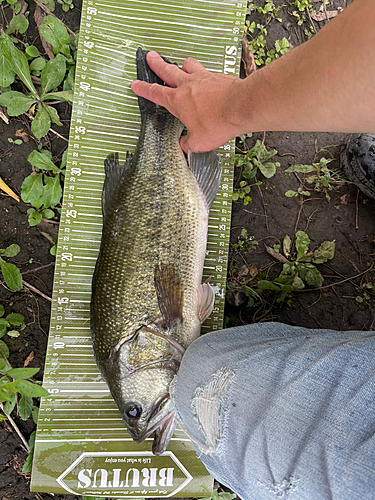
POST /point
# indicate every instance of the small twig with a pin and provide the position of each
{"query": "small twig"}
(47, 11)
(38, 268)
(4, 117)
(356, 209)
(31, 287)
(30, 116)
(276, 255)
(14, 425)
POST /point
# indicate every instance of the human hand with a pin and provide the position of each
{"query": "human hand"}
(204, 102)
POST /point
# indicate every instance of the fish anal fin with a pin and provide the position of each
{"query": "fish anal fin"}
(207, 170)
(170, 293)
(206, 300)
(113, 175)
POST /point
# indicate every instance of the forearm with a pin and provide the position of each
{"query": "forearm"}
(326, 84)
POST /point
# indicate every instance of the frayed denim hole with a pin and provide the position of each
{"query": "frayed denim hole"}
(209, 408)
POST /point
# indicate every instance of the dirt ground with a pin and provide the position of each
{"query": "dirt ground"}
(349, 220)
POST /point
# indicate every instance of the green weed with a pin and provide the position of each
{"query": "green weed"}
(252, 160)
(319, 176)
(10, 272)
(43, 189)
(17, 389)
(258, 45)
(299, 270)
(56, 75)
(245, 243)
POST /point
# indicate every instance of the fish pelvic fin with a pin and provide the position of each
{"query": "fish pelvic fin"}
(170, 293)
(145, 74)
(113, 175)
(207, 170)
(206, 300)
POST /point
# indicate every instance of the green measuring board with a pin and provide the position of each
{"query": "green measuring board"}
(82, 446)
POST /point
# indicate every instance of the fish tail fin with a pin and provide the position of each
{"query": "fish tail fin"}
(145, 74)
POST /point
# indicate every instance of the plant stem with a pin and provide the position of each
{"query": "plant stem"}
(14, 425)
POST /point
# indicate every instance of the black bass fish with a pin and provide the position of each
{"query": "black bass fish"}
(148, 301)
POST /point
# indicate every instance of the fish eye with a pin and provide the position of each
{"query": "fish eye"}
(133, 411)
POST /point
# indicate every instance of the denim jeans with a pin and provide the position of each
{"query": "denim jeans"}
(279, 412)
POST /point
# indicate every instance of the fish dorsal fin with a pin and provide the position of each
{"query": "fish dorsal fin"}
(170, 293)
(206, 300)
(207, 170)
(113, 174)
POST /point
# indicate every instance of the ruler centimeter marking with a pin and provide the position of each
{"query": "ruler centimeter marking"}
(105, 119)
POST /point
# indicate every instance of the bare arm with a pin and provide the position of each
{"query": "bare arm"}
(326, 84)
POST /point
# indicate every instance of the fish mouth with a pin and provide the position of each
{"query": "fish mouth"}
(163, 427)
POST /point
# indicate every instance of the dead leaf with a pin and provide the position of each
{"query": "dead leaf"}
(323, 16)
(247, 57)
(276, 255)
(242, 271)
(38, 17)
(24, 7)
(7, 190)
(344, 200)
(29, 358)
(253, 270)
(23, 135)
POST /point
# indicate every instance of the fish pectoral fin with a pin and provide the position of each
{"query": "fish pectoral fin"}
(170, 293)
(206, 300)
(207, 170)
(113, 174)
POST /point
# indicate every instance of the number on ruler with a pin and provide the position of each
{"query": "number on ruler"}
(92, 11)
(84, 86)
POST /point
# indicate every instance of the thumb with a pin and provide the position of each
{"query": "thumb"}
(184, 143)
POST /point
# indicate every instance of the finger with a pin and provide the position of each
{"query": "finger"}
(191, 65)
(183, 144)
(169, 73)
(153, 92)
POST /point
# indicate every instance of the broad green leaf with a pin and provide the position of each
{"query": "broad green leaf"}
(29, 389)
(32, 190)
(3, 364)
(35, 217)
(268, 169)
(37, 64)
(15, 319)
(303, 169)
(2, 310)
(6, 71)
(42, 161)
(4, 351)
(7, 390)
(19, 23)
(324, 252)
(55, 33)
(11, 251)
(69, 80)
(42, 122)
(32, 436)
(267, 285)
(302, 244)
(297, 284)
(25, 406)
(22, 373)
(66, 95)
(13, 333)
(9, 405)
(64, 159)
(310, 275)
(53, 73)
(16, 102)
(53, 115)
(32, 51)
(3, 326)
(290, 193)
(27, 466)
(35, 414)
(12, 275)
(18, 62)
(287, 245)
(52, 191)
(48, 214)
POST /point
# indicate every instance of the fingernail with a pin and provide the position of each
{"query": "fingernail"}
(152, 54)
